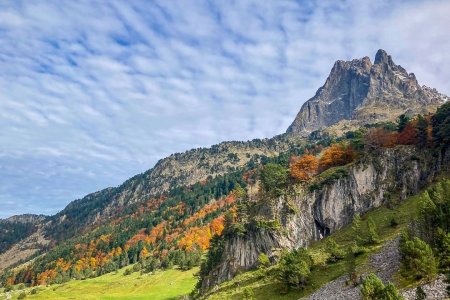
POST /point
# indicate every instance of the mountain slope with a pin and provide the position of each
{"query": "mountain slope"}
(365, 92)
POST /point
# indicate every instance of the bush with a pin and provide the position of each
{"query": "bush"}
(374, 289)
(127, 272)
(21, 296)
(394, 222)
(34, 291)
(263, 261)
(248, 294)
(294, 268)
(136, 267)
(417, 258)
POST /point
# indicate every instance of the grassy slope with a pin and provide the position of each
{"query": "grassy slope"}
(266, 287)
(162, 285)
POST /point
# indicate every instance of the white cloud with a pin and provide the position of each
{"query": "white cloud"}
(93, 93)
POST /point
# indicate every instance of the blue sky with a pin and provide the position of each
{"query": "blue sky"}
(94, 92)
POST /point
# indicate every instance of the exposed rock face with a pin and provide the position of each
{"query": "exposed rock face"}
(403, 170)
(360, 90)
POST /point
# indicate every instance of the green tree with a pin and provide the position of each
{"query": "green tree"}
(334, 251)
(351, 266)
(294, 268)
(356, 228)
(274, 179)
(422, 131)
(417, 258)
(441, 125)
(402, 122)
(372, 235)
(373, 289)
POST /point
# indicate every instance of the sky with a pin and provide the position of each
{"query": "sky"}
(94, 92)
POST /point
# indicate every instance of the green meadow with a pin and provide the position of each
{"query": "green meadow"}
(162, 285)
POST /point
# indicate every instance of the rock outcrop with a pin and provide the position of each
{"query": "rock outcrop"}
(365, 92)
(307, 215)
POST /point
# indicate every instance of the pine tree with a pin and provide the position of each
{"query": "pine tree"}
(422, 131)
(373, 237)
(402, 121)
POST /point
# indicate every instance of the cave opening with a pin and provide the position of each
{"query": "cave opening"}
(322, 230)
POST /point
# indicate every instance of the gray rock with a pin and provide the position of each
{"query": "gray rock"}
(360, 90)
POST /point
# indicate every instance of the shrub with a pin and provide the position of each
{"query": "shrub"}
(374, 289)
(248, 294)
(127, 272)
(22, 296)
(394, 222)
(294, 268)
(136, 267)
(263, 261)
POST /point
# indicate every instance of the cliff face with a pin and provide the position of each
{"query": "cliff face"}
(361, 91)
(307, 215)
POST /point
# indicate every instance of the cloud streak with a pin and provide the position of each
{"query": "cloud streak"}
(93, 93)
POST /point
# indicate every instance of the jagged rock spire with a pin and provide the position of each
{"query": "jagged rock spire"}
(360, 90)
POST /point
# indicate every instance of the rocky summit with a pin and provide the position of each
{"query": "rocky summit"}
(364, 92)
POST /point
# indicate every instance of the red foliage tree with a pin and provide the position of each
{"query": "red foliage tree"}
(408, 136)
(379, 137)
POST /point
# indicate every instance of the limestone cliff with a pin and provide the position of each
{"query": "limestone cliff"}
(307, 214)
(361, 91)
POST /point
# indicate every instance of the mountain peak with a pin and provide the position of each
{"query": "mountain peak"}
(381, 57)
(365, 92)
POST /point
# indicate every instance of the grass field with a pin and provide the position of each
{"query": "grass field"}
(169, 284)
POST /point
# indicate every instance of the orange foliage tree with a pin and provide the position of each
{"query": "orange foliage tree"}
(336, 155)
(304, 167)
